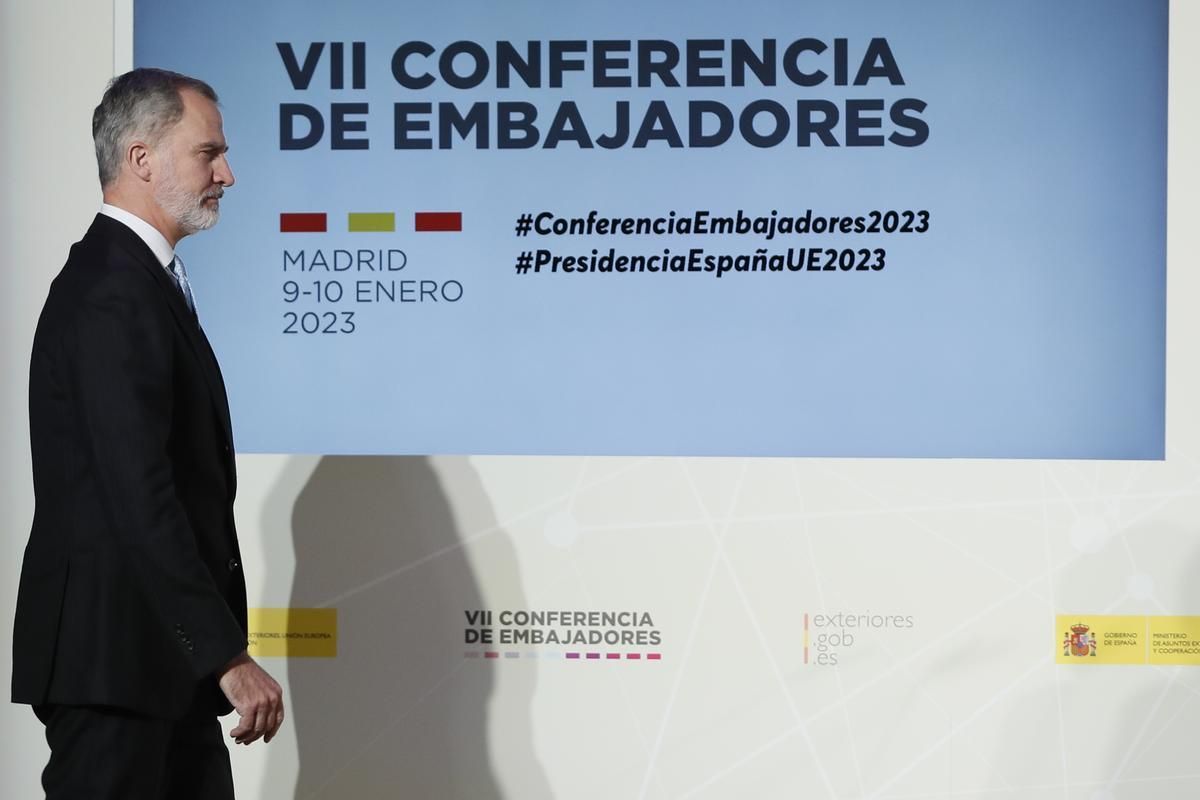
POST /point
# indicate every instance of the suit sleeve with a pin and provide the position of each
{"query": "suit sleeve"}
(123, 368)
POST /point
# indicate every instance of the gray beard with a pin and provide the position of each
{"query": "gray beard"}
(185, 208)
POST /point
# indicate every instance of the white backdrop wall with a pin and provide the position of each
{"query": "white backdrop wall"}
(726, 555)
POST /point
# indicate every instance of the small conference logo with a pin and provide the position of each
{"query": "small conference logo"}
(1079, 641)
(579, 635)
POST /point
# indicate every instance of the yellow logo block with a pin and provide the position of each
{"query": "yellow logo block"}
(1102, 639)
(293, 632)
(1175, 640)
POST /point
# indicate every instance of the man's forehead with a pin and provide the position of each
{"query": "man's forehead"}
(193, 99)
(200, 115)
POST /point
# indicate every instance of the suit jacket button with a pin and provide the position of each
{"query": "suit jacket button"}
(233, 564)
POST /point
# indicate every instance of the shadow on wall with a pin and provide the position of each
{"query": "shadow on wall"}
(1115, 732)
(1153, 743)
(400, 712)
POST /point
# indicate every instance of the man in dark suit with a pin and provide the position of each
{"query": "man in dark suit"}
(130, 632)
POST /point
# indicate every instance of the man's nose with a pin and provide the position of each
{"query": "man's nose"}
(223, 174)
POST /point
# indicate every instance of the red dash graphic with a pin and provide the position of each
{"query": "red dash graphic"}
(593, 656)
(572, 655)
(438, 221)
(301, 223)
(654, 656)
(633, 656)
(613, 655)
(491, 654)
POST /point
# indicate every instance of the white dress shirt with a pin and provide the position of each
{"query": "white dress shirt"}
(157, 243)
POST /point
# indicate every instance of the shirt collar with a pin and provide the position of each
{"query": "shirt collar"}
(157, 243)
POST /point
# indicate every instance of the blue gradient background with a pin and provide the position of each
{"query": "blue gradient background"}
(1028, 323)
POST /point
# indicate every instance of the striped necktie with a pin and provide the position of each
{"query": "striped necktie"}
(181, 280)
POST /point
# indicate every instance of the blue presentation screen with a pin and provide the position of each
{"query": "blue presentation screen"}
(868, 229)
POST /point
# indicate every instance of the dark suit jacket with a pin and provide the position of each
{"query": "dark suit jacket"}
(131, 593)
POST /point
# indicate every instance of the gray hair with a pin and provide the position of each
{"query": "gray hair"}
(142, 104)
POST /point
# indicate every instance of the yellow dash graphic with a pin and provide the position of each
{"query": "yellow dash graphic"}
(372, 222)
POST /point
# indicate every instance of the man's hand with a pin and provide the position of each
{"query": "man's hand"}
(255, 696)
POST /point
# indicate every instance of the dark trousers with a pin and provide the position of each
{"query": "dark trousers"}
(110, 754)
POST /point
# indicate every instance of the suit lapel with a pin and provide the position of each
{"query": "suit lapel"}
(184, 319)
(194, 334)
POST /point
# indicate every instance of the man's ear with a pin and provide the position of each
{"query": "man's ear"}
(137, 157)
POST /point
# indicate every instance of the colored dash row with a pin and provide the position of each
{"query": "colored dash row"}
(570, 656)
(372, 222)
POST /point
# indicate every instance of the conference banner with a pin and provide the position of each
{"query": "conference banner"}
(858, 229)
